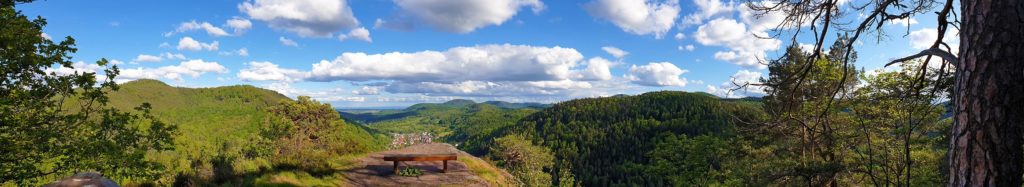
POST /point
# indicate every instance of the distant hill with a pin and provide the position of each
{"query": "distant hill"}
(463, 122)
(610, 141)
(208, 117)
(504, 104)
(377, 115)
(215, 122)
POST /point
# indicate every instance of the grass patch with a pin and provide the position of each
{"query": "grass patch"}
(488, 172)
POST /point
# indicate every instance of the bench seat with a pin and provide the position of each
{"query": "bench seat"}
(421, 157)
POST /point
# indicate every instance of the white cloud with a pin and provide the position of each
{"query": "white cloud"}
(76, 68)
(680, 36)
(806, 48)
(464, 16)
(367, 90)
(657, 74)
(741, 84)
(187, 43)
(489, 88)
(597, 69)
(687, 48)
(318, 18)
(158, 58)
(903, 22)
(266, 71)
(357, 34)
(165, 44)
(615, 52)
(147, 58)
(193, 25)
(759, 22)
(639, 17)
(45, 36)
(487, 63)
(745, 49)
(239, 52)
(175, 56)
(924, 38)
(193, 68)
(242, 52)
(327, 95)
(707, 9)
(287, 42)
(240, 25)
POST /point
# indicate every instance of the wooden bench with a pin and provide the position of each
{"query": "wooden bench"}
(421, 157)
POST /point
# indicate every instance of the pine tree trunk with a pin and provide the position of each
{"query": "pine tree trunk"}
(989, 97)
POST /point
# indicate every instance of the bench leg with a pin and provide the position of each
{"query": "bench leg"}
(445, 170)
(396, 168)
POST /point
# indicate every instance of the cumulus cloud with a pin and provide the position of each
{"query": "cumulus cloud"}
(923, 39)
(741, 84)
(486, 70)
(657, 74)
(147, 58)
(193, 25)
(158, 58)
(489, 88)
(639, 17)
(680, 36)
(745, 48)
(597, 69)
(367, 90)
(287, 42)
(707, 9)
(240, 25)
(327, 95)
(173, 56)
(192, 68)
(464, 16)
(187, 43)
(45, 36)
(356, 34)
(267, 71)
(615, 52)
(487, 62)
(307, 18)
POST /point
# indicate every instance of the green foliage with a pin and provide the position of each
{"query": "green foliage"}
(45, 138)
(824, 130)
(410, 172)
(523, 159)
(696, 161)
(610, 141)
(307, 134)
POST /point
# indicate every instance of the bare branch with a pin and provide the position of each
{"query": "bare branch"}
(928, 52)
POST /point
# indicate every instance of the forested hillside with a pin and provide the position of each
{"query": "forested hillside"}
(657, 138)
(229, 134)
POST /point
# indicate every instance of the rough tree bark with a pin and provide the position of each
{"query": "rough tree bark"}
(986, 136)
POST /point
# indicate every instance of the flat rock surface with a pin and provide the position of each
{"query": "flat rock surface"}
(377, 172)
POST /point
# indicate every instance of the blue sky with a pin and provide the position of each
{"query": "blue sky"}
(400, 52)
